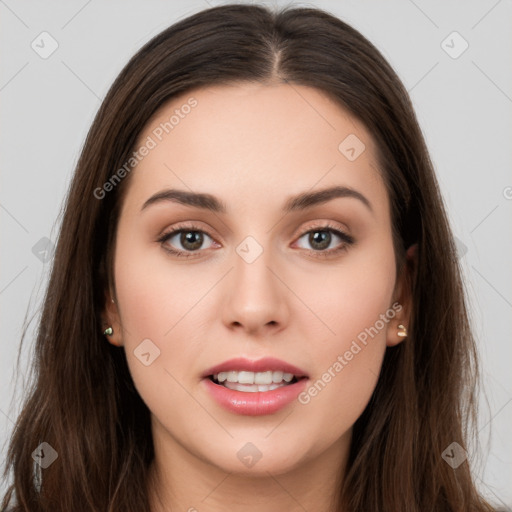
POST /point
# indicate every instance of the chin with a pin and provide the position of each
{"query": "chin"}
(256, 458)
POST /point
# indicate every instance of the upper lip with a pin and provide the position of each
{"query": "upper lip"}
(259, 365)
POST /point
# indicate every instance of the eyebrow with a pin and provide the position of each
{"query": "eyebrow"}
(299, 202)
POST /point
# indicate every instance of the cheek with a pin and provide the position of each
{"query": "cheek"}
(354, 301)
(338, 395)
(351, 296)
(166, 303)
(149, 289)
(346, 370)
(156, 308)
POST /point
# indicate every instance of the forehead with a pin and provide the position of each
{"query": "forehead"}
(254, 141)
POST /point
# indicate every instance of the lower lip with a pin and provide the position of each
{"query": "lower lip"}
(257, 403)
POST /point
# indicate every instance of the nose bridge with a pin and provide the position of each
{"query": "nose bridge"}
(255, 296)
(252, 261)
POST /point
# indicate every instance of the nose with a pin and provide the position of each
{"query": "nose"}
(256, 300)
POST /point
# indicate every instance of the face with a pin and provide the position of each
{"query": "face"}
(308, 282)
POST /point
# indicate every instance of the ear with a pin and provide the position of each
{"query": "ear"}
(110, 318)
(403, 296)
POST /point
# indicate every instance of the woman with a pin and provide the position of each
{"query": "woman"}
(255, 302)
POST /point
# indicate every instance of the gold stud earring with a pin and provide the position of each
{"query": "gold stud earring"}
(108, 331)
(403, 332)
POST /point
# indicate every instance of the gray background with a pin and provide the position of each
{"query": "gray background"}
(464, 106)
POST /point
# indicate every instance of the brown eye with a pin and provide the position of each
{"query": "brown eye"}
(191, 240)
(320, 239)
(184, 241)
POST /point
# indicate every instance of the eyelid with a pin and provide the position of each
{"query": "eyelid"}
(322, 224)
(184, 226)
(325, 225)
(347, 240)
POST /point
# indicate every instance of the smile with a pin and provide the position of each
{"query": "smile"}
(252, 382)
(254, 387)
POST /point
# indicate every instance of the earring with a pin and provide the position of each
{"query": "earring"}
(403, 332)
(108, 331)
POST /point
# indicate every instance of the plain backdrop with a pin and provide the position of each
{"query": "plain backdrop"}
(461, 88)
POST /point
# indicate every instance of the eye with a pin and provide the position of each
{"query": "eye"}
(191, 238)
(321, 239)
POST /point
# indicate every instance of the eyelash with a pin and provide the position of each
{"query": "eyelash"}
(347, 240)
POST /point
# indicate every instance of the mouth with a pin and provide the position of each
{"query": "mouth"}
(252, 376)
(253, 382)
(254, 387)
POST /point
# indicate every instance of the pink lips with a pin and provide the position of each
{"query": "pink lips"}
(259, 402)
(261, 365)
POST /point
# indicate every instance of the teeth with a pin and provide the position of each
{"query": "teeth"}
(262, 378)
(230, 376)
(253, 388)
(278, 376)
(257, 378)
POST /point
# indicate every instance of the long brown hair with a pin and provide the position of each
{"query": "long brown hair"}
(83, 402)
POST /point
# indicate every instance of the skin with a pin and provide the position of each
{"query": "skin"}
(253, 146)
